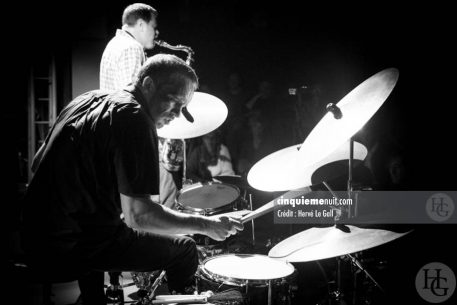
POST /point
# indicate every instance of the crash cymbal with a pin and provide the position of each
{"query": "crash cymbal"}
(357, 107)
(321, 243)
(208, 111)
(285, 170)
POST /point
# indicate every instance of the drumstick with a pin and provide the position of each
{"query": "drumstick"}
(270, 206)
(176, 299)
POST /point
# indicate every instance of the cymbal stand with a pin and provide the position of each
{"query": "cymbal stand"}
(252, 221)
(359, 265)
(336, 294)
(337, 210)
(350, 171)
(185, 181)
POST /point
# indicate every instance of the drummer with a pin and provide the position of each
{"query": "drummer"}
(208, 158)
(101, 154)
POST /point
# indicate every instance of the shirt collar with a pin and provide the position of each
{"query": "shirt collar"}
(126, 34)
(140, 98)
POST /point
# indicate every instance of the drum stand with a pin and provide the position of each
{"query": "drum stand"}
(270, 291)
(185, 181)
(337, 294)
(252, 221)
(147, 294)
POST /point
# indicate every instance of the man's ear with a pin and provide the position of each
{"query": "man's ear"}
(148, 85)
(141, 24)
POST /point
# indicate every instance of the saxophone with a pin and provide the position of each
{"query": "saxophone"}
(179, 47)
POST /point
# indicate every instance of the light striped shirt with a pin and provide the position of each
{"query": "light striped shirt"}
(121, 61)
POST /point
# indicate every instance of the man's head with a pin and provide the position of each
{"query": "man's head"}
(141, 21)
(168, 84)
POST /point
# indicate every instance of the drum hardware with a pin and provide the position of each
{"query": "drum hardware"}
(115, 294)
(252, 221)
(147, 283)
(356, 263)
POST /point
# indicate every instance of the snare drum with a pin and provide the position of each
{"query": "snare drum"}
(258, 276)
(246, 269)
(208, 198)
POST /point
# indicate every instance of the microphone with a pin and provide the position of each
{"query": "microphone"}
(187, 115)
(335, 110)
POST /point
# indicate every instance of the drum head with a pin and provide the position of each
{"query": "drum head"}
(229, 267)
(208, 196)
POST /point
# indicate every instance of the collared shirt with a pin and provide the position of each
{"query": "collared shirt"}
(121, 61)
(102, 144)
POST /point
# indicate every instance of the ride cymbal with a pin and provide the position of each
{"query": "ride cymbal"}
(285, 169)
(353, 112)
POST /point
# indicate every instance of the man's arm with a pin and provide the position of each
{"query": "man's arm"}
(145, 214)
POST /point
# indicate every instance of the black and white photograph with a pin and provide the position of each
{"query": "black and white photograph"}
(289, 153)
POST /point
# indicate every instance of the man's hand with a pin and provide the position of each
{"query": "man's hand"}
(221, 227)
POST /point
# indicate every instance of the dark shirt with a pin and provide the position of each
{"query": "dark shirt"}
(102, 144)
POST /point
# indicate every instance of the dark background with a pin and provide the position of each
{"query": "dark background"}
(290, 43)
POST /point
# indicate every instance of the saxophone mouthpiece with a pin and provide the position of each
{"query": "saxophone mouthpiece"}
(159, 42)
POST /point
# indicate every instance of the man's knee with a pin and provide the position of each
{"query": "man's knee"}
(189, 245)
(189, 251)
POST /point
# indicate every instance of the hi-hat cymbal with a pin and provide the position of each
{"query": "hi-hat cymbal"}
(208, 111)
(357, 107)
(321, 243)
(285, 170)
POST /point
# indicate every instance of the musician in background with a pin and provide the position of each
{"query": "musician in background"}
(125, 52)
(101, 156)
(121, 60)
(208, 158)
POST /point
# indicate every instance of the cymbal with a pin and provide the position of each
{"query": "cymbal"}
(321, 243)
(208, 111)
(357, 107)
(285, 170)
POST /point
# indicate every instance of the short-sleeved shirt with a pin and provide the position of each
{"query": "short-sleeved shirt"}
(102, 144)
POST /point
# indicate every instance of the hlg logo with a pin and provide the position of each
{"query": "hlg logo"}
(439, 207)
(435, 282)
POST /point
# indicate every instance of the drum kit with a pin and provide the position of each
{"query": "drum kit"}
(289, 170)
